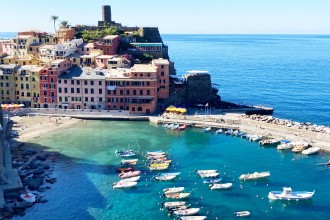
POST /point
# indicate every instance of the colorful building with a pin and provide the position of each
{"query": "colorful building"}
(7, 82)
(109, 44)
(64, 34)
(23, 80)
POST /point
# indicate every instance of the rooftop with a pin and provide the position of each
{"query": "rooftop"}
(144, 68)
(110, 37)
(161, 61)
(7, 66)
(24, 36)
(57, 61)
(105, 57)
(47, 47)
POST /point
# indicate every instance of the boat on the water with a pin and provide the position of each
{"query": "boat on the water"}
(255, 175)
(180, 207)
(212, 180)
(130, 161)
(229, 132)
(173, 204)
(219, 131)
(311, 150)
(124, 153)
(29, 197)
(124, 169)
(190, 211)
(206, 129)
(180, 195)
(182, 127)
(221, 186)
(159, 164)
(169, 174)
(206, 171)
(299, 148)
(269, 142)
(255, 137)
(158, 167)
(288, 194)
(129, 174)
(131, 179)
(193, 217)
(208, 175)
(173, 190)
(242, 213)
(158, 152)
(161, 160)
(164, 178)
(122, 184)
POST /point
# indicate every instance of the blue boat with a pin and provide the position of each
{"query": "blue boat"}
(212, 180)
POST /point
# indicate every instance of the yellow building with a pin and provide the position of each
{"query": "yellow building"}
(35, 86)
(24, 79)
(7, 82)
(20, 62)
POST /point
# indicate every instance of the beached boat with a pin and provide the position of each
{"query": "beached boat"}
(288, 194)
(242, 213)
(206, 129)
(269, 142)
(124, 169)
(173, 204)
(285, 146)
(180, 195)
(311, 150)
(239, 133)
(131, 179)
(124, 153)
(255, 137)
(229, 132)
(29, 197)
(173, 190)
(219, 131)
(129, 174)
(182, 127)
(164, 178)
(120, 184)
(212, 180)
(221, 186)
(130, 162)
(206, 171)
(208, 175)
(190, 211)
(298, 148)
(175, 127)
(192, 217)
(255, 175)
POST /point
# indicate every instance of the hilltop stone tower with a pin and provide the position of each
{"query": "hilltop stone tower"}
(106, 15)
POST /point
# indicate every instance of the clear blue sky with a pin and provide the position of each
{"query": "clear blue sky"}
(176, 16)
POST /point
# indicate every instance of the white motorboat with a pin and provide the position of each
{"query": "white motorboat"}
(255, 175)
(191, 217)
(159, 152)
(221, 186)
(311, 150)
(269, 142)
(255, 137)
(180, 195)
(165, 167)
(285, 146)
(173, 204)
(173, 190)
(242, 213)
(169, 174)
(208, 175)
(206, 129)
(121, 184)
(190, 211)
(288, 194)
(131, 161)
(164, 178)
(219, 131)
(29, 197)
(206, 171)
(131, 179)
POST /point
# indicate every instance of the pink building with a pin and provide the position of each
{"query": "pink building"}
(7, 47)
(86, 48)
(102, 60)
(109, 44)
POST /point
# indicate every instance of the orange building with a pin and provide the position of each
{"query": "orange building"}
(64, 34)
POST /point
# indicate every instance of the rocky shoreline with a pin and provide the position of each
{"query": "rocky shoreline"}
(35, 170)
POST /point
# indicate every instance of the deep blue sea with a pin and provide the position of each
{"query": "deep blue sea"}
(287, 72)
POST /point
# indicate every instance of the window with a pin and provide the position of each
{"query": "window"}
(162, 73)
(86, 91)
(92, 99)
(86, 99)
(72, 90)
(162, 66)
(45, 92)
(59, 90)
(100, 99)
(133, 109)
(100, 83)
(92, 83)
(72, 82)
(141, 92)
(33, 79)
(139, 109)
(100, 91)
(51, 80)
(121, 92)
(148, 92)
(72, 99)
(85, 83)
(65, 81)
(127, 92)
(92, 90)
(134, 92)
(148, 83)
(78, 90)
(60, 99)
(78, 82)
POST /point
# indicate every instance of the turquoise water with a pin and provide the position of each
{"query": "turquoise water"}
(86, 164)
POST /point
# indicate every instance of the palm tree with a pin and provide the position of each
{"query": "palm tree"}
(64, 24)
(54, 18)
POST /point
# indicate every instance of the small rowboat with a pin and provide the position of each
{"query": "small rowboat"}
(242, 213)
(192, 217)
(221, 186)
(212, 180)
(131, 179)
(129, 174)
(125, 153)
(190, 211)
(206, 171)
(125, 169)
(173, 204)
(131, 161)
(164, 178)
(208, 175)
(180, 195)
(121, 184)
(29, 197)
(173, 190)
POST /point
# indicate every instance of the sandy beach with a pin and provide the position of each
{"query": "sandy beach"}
(31, 127)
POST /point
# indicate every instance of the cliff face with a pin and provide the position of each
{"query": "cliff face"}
(199, 88)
